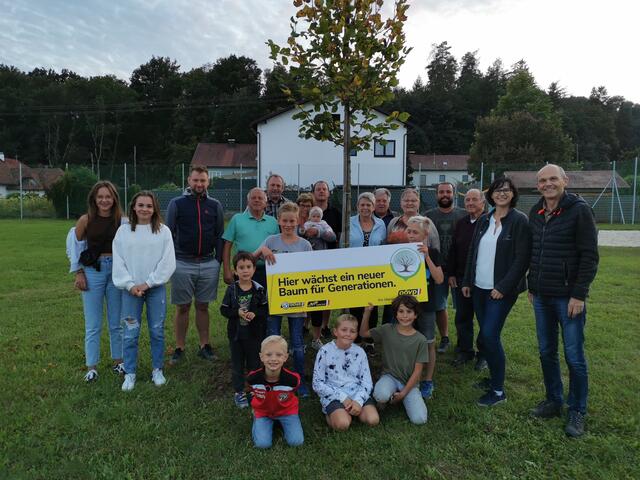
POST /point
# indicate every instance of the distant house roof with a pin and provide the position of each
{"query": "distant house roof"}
(225, 155)
(578, 180)
(32, 178)
(439, 162)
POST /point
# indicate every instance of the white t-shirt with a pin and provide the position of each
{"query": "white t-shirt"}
(486, 258)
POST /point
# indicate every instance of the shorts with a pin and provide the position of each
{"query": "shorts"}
(337, 405)
(195, 279)
(426, 324)
(441, 295)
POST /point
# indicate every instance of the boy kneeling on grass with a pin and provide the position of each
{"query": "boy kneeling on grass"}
(245, 306)
(404, 351)
(273, 388)
(342, 379)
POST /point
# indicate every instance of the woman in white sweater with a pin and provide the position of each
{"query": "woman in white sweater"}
(143, 261)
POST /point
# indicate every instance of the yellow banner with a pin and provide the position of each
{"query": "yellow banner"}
(387, 272)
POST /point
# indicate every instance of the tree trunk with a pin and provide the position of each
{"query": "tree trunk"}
(346, 177)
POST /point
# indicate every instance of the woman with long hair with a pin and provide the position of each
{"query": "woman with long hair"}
(143, 262)
(89, 246)
(498, 259)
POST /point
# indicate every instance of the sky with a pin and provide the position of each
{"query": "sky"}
(578, 43)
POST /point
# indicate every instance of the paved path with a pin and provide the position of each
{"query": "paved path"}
(619, 238)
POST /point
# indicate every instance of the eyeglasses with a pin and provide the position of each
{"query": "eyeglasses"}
(503, 190)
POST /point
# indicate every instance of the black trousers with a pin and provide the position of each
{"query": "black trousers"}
(464, 324)
(245, 356)
(359, 311)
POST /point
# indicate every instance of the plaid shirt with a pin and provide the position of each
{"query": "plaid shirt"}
(273, 207)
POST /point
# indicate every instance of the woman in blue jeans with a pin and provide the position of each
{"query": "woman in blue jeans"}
(494, 276)
(94, 233)
(143, 261)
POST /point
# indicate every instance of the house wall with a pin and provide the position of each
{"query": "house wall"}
(430, 177)
(3, 191)
(218, 172)
(303, 162)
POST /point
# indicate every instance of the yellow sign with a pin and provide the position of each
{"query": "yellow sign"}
(353, 277)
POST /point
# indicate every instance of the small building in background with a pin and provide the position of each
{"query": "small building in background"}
(432, 169)
(594, 181)
(34, 180)
(227, 160)
(301, 162)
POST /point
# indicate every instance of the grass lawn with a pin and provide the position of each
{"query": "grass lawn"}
(619, 226)
(53, 425)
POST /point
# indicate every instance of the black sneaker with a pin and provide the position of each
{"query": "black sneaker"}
(491, 398)
(206, 353)
(484, 384)
(462, 359)
(326, 333)
(444, 345)
(369, 348)
(547, 409)
(575, 424)
(178, 355)
(481, 364)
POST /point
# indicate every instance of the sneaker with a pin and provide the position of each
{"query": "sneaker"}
(316, 344)
(491, 398)
(91, 376)
(157, 377)
(547, 409)
(462, 359)
(481, 364)
(326, 333)
(426, 389)
(575, 424)
(206, 353)
(118, 369)
(129, 382)
(240, 399)
(303, 391)
(178, 355)
(369, 348)
(444, 345)
(484, 384)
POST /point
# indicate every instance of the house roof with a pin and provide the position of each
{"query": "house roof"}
(47, 176)
(10, 175)
(226, 155)
(578, 180)
(439, 162)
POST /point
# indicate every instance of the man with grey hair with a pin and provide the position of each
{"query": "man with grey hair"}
(275, 187)
(246, 231)
(456, 262)
(564, 262)
(382, 210)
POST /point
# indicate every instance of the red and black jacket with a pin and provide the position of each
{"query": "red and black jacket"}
(274, 399)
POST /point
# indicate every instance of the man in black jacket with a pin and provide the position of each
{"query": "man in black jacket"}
(564, 261)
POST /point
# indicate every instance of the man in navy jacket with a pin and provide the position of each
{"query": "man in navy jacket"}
(564, 262)
(197, 224)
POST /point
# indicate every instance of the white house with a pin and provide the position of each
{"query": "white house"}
(432, 169)
(35, 181)
(302, 162)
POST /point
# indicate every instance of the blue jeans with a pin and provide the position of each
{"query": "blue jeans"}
(156, 300)
(99, 287)
(296, 324)
(413, 403)
(551, 312)
(262, 430)
(491, 317)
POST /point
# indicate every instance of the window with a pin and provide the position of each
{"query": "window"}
(387, 150)
(442, 178)
(465, 178)
(353, 152)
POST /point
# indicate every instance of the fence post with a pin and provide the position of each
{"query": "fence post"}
(241, 209)
(66, 169)
(635, 182)
(481, 174)
(298, 182)
(358, 179)
(126, 200)
(613, 186)
(20, 173)
(183, 177)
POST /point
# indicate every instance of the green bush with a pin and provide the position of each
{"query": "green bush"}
(76, 184)
(33, 206)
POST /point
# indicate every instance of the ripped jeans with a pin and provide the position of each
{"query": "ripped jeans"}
(156, 300)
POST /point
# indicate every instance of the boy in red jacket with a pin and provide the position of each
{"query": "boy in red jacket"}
(273, 389)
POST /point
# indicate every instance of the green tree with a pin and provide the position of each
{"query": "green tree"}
(344, 55)
(74, 185)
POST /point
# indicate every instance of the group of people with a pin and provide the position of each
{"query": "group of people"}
(482, 256)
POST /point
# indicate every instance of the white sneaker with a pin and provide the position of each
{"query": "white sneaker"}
(157, 377)
(129, 382)
(316, 344)
(91, 376)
